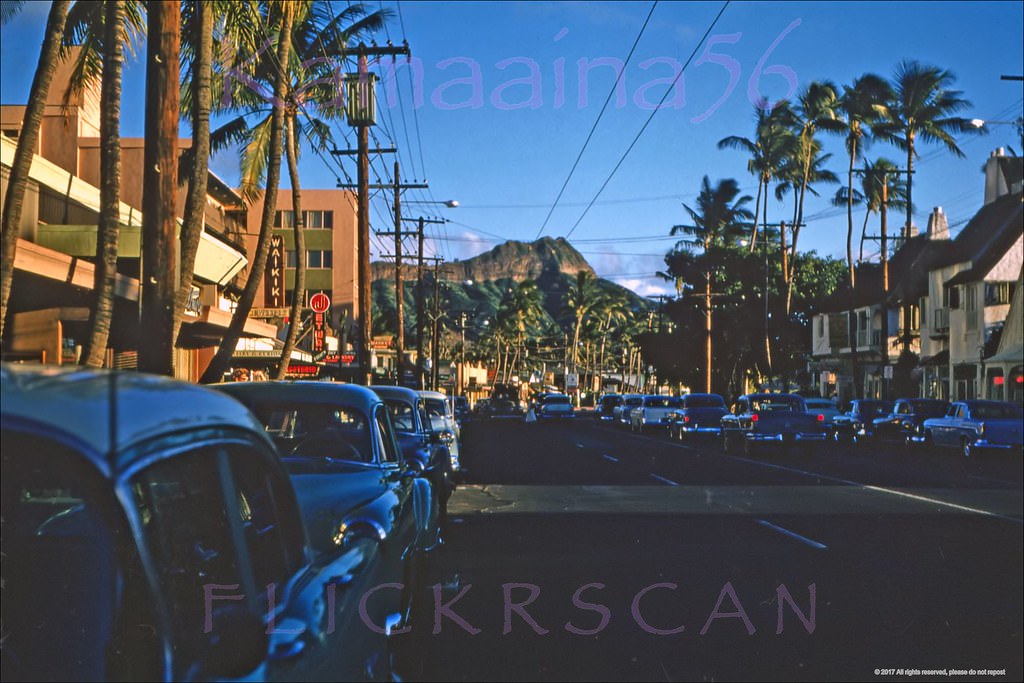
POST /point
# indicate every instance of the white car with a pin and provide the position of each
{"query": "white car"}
(653, 411)
(442, 419)
(555, 405)
(620, 413)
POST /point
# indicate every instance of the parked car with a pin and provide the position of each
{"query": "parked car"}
(974, 426)
(780, 419)
(697, 413)
(501, 408)
(555, 405)
(654, 411)
(621, 412)
(460, 404)
(857, 423)
(441, 413)
(480, 407)
(606, 406)
(905, 424)
(824, 406)
(150, 532)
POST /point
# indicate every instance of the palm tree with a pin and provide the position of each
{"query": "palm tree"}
(319, 39)
(520, 312)
(922, 105)
(581, 298)
(773, 140)
(877, 175)
(860, 104)
(28, 140)
(718, 222)
(102, 309)
(282, 15)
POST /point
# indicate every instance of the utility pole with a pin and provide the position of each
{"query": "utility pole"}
(420, 298)
(361, 114)
(399, 294)
(434, 351)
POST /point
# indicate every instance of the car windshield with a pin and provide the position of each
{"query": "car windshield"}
(62, 531)
(501, 404)
(819, 404)
(930, 408)
(661, 402)
(995, 411)
(403, 417)
(316, 431)
(437, 412)
(873, 408)
(775, 404)
(634, 401)
(703, 402)
(556, 400)
(611, 401)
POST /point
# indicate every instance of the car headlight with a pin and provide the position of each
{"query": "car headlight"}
(446, 437)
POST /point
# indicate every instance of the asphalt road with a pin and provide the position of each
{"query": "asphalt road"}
(579, 551)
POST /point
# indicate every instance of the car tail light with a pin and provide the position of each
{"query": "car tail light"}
(821, 418)
(686, 418)
(753, 418)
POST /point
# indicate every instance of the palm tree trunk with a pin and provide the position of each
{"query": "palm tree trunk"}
(195, 201)
(757, 213)
(220, 361)
(863, 236)
(101, 312)
(299, 291)
(159, 189)
(28, 140)
(849, 213)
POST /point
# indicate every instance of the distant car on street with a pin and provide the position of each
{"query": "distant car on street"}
(501, 408)
(606, 406)
(857, 423)
(151, 532)
(781, 419)
(905, 424)
(441, 415)
(621, 412)
(824, 406)
(697, 414)
(654, 411)
(974, 426)
(555, 406)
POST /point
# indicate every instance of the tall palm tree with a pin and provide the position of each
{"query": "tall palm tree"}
(877, 175)
(718, 222)
(519, 313)
(319, 39)
(860, 108)
(281, 15)
(28, 140)
(102, 309)
(772, 142)
(581, 298)
(922, 106)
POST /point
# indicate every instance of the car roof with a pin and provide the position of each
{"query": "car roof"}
(305, 391)
(392, 392)
(76, 402)
(427, 393)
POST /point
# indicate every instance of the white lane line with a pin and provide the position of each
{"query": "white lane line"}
(793, 534)
(609, 457)
(882, 489)
(664, 480)
(994, 480)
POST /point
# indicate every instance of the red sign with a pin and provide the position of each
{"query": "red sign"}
(303, 369)
(319, 331)
(320, 302)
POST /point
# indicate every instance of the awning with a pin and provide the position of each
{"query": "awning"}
(941, 358)
(1014, 354)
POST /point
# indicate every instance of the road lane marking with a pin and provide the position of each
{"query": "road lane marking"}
(793, 534)
(994, 480)
(609, 457)
(664, 480)
(882, 489)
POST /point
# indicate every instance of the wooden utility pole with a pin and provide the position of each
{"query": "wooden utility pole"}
(399, 294)
(420, 298)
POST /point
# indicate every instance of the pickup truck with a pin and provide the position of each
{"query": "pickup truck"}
(771, 419)
(973, 426)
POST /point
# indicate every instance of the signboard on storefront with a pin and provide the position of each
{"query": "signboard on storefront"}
(273, 279)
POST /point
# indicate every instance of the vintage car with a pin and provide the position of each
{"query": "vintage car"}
(621, 412)
(905, 424)
(441, 411)
(697, 414)
(150, 532)
(554, 405)
(781, 419)
(974, 426)
(857, 423)
(502, 408)
(654, 411)
(824, 406)
(606, 406)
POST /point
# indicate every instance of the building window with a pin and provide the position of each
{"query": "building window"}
(319, 220)
(951, 297)
(284, 219)
(998, 293)
(971, 306)
(314, 259)
(821, 326)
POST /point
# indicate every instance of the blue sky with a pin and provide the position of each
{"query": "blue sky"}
(495, 110)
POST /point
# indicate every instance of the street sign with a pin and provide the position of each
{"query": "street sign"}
(277, 312)
(572, 379)
(320, 302)
(887, 372)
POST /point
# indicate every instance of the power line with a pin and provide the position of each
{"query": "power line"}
(657, 108)
(600, 114)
